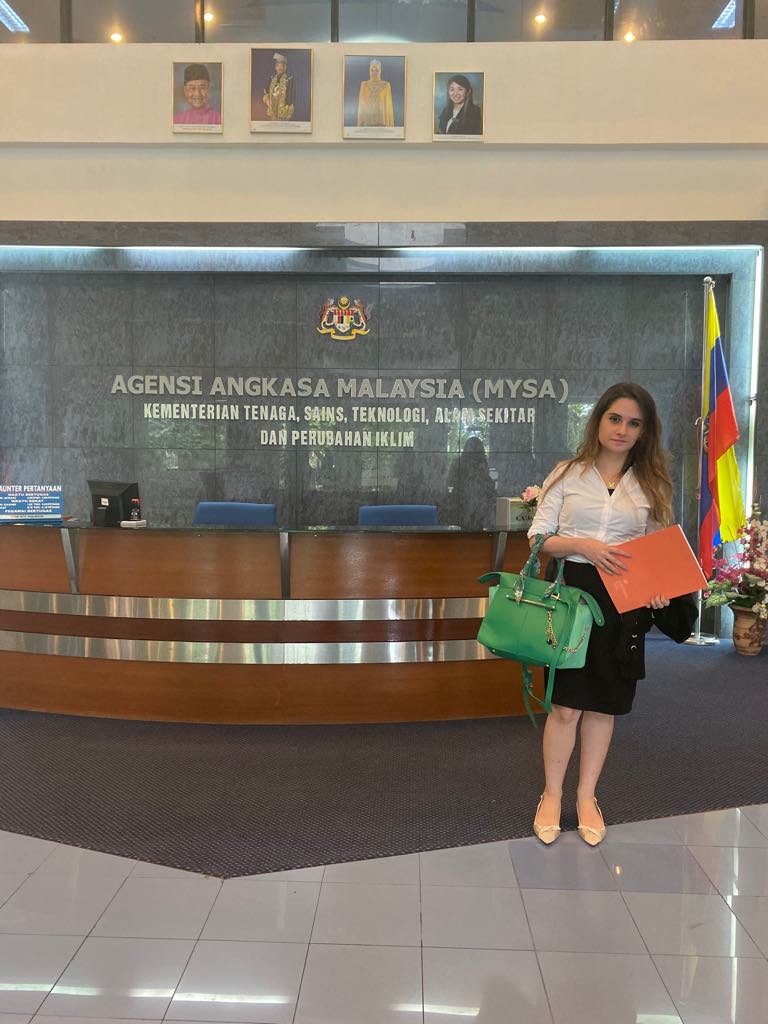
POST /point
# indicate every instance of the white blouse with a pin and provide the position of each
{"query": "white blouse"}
(579, 505)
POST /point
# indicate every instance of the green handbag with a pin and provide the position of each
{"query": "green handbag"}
(538, 623)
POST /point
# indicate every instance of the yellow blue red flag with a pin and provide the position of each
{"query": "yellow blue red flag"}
(721, 507)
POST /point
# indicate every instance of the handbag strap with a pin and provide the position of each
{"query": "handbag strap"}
(531, 568)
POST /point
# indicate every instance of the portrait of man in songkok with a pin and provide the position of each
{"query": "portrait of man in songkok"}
(197, 93)
(281, 90)
(374, 97)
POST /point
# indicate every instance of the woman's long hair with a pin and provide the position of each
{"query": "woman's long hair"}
(447, 111)
(647, 457)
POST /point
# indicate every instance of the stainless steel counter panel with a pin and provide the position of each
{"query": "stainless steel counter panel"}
(233, 610)
(241, 654)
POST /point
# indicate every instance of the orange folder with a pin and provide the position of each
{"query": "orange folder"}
(662, 563)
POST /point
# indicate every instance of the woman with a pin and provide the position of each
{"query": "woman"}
(460, 116)
(617, 487)
(374, 106)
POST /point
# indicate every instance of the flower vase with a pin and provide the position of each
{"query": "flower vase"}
(748, 631)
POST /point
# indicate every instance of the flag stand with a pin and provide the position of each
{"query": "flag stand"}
(697, 638)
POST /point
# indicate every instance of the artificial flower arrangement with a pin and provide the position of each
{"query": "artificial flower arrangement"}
(742, 581)
(531, 495)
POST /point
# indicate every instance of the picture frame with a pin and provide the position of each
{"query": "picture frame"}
(458, 106)
(374, 93)
(281, 89)
(197, 97)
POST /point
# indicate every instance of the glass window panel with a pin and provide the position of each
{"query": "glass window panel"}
(403, 21)
(671, 19)
(545, 20)
(761, 19)
(271, 21)
(41, 17)
(138, 21)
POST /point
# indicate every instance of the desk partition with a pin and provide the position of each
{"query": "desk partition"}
(252, 626)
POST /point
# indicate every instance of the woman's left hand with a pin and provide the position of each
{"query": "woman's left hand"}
(658, 602)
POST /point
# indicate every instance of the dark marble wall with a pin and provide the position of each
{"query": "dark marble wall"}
(65, 337)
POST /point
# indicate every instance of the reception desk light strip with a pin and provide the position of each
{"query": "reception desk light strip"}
(207, 609)
(182, 652)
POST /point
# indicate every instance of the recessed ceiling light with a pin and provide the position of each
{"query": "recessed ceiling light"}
(540, 19)
(116, 37)
(208, 16)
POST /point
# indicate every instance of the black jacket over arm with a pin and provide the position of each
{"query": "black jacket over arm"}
(676, 621)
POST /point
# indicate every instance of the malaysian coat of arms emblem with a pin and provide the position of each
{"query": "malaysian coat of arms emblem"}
(344, 319)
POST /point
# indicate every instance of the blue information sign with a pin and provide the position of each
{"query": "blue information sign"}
(31, 503)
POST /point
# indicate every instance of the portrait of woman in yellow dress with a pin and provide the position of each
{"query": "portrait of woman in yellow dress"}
(374, 106)
(374, 97)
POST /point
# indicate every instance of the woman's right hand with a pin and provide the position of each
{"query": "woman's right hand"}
(604, 556)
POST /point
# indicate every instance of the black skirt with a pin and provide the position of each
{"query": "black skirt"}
(600, 685)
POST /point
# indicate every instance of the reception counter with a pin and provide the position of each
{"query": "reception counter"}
(252, 626)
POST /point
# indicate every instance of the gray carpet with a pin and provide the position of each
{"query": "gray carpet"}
(239, 800)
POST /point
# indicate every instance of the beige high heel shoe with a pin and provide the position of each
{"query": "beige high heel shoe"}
(546, 833)
(592, 836)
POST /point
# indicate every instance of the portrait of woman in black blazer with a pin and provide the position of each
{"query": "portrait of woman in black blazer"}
(460, 115)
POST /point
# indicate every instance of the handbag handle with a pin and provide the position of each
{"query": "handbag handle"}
(530, 569)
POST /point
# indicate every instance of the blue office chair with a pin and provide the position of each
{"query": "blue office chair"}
(234, 513)
(397, 515)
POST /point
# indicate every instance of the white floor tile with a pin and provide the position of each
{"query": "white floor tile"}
(716, 990)
(653, 867)
(257, 910)
(47, 905)
(90, 1020)
(740, 871)
(9, 883)
(492, 986)
(297, 875)
(22, 853)
(719, 828)
(752, 912)
(595, 988)
(120, 978)
(159, 908)
(402, 870)
(489, 864)
(567, 864)
(374, 915)
(242, 982)
(688, 924)
(474, 917)
(142, 869)
(658, 831)
(72, 862)
(361, 985)
(577, 921)
(758, 815)
(30, 965)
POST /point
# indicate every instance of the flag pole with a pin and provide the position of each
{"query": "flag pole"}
(698, 638)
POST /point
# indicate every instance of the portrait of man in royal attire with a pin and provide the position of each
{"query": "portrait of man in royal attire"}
(278, 95)
(281, 90)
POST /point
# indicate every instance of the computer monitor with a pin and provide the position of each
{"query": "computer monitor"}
(111, 501)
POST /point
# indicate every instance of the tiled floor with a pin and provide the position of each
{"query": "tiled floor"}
(665, 923)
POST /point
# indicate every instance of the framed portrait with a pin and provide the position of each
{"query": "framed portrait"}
(197, 96)
(281, 89)
(374, 97)
(458, 106)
